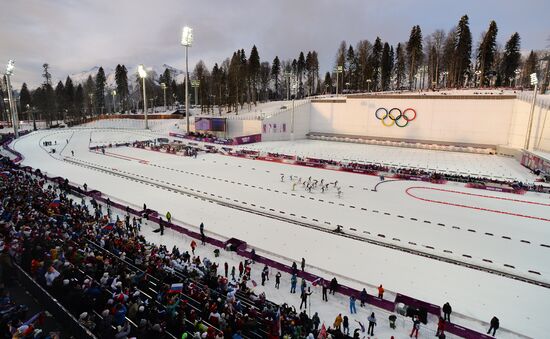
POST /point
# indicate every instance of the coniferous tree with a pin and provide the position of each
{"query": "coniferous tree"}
(375, 62)
(511, 57)
(400, 65)
(265, 76)
(89, 94)
(364, 71)
(69, 95)
(414, 52)
(79, 99)
(275, 72)
(463, 51)
(253, 72)
(328, 83)
(60, 101)
(386, 66)
(100, 81)
(486, 52)
(530, 66)
(25, 99)
(121, 79)
(351, 61)
(449, 57)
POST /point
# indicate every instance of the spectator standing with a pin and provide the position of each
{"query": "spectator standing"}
(447, 310)
(495, 324)
(372, 323)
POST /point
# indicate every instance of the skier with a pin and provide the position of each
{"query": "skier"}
(335, 183)
(372, 323)
(282, 178)
(72, 153)
(339, 192)
(277, 280)
(447, 310)
(495, 324)
(294, 186)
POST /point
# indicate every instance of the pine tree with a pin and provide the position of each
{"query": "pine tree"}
(386, 66)
(79, 99)
(315, 71)
(25, 98)
(486, 51)
(89, 94)
(275, 72)
(100, 81)
(400, 66)
(463, 51)
(364, 71)
(254, 72)
(351, 61)
(69, 95)
(60, 101)
(121, 79)
(414, 52)
(511, 58)
(375, 62)
(529, 67)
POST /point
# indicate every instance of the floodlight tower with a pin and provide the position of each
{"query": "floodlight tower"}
(163, 86)
(187, 41)
(143, 74)
(534, 82)
(13, 106)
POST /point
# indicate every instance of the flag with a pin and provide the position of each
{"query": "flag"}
(316, 281)
(109, 227)
(176, 288)
(322, 332)
(55, 203)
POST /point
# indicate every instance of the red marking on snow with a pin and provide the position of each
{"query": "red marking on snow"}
(475, 207)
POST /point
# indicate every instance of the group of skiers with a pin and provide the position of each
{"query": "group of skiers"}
(310, 185)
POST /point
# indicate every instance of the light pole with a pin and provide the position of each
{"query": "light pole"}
(163, 86)
(114, 100)
(477, 73)
(534, 82)
(143, 74)
(516, 72)
(13, 107)
(339, 69)
(368, 84)
(187, 41)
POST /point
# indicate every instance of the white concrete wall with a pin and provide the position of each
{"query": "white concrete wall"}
(302, 114)
(238, 128)
(481, 121)
(540, 132)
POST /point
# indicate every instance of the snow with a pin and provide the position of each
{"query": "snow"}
(493, 166)
(520, 306)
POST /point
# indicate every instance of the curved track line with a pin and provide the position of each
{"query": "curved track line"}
(408, 191)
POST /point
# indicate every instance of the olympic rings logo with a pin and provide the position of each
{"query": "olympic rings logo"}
(395, 116)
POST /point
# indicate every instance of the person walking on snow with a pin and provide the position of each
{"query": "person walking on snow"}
(338, 322)
(495, 324)
(168, 216)
(193, 246)
(345, 325)
(447, 310)
(372, 323)
(303, 264)
(293, 282)
(304, 297)
(380, 292)
(416, 327)
(352, 308)
(203, 237)
(277, 280)
(363, 297)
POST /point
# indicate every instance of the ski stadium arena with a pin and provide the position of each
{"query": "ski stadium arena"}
(438, 197)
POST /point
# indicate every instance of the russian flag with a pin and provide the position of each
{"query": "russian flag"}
(109, 227)
(5, 175)
(316, 281)
(176, 288)
(55, 203)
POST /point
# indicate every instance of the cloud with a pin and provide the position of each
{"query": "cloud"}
(74, 35)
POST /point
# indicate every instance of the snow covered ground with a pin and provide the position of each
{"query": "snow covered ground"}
(446, 230)
(442, 161)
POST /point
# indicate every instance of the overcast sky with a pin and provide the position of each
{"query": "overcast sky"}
(75, 35)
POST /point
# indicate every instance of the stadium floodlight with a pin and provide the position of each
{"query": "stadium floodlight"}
(163, 86)
(13, 107)
(143, 74)
(187, 41)
(187, 36)
(534, 82)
